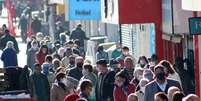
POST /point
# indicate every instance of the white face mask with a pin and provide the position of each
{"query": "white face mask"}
(84, 72)
(139, 77)
(142, 89)
(92, 92)
(64, 81)
(119, 84)
(34, 46)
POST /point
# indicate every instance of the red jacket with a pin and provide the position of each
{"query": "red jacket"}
(40, 58)
(119, 95)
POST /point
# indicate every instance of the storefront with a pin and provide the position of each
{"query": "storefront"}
(140, 28)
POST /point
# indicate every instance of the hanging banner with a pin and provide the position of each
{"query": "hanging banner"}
(83, 10)
(10, 11)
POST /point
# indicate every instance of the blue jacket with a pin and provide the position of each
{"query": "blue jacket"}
(9, 57)
(152, 88)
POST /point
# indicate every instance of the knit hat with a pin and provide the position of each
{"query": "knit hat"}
(113, 62)
(101, 62)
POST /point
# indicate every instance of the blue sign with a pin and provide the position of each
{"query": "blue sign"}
(84, 10)
(152, 39)
(195, 25)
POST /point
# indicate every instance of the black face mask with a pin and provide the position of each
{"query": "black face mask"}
(142, 65)
(72, 62)
(79, 64)
(160, 76)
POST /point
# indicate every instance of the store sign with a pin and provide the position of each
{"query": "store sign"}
(192, 5)
(84, 10)
(56, 2)
(195, 25)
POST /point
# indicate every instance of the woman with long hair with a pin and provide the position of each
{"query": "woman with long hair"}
(170, 71)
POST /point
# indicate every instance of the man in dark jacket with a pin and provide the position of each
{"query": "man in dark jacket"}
(23, 24)
(160, 84)
(76, 72)
(36, 25)
(86, 88)
(105, 82)
(40, 88)
(59, 30)
(79, 34)
(7, 37)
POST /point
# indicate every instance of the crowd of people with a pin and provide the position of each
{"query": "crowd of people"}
(59, 71)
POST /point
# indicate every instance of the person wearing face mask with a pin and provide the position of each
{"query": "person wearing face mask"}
(101, 54)
(159, 84)
(137, 76)
(59, 89)
(31, 54)
(143, 62)
(123, 87)
(115, 66)
(105, 82)
(71, 63)
(117, 52)
(86, 88)
(129, 67)
(122, 57)
(141, 91)
(61, 52)
(148, 74)
(170, 71)
(87, 72)
(41, 54)
(69, 59)
(29, 43)
(39, 85)
(76, 72)
(125, 53)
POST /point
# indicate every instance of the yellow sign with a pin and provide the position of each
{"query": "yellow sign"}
(60, 9)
